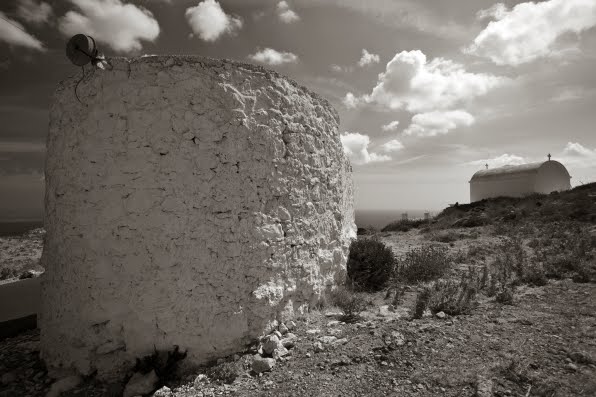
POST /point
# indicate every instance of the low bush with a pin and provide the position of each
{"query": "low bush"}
(423, 264)
(446, 236)
(370, 264)
(226, 372)
(453, 298)
(505, 296)
(534, 274)
(421, 302)
(404, 225)
(448, 296)
(349, 301)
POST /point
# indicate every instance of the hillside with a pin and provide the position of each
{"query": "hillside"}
(495, 298)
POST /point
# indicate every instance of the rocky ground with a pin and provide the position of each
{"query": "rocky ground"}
(19, 255)
(542, 342)
(542, 345)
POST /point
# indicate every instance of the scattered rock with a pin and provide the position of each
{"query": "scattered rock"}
(291, 325)
(163, 392)
(327, 339)
(313, 331)
(333, 313)
(262, 364)
(581, 357)
(63, 385)
(280, 352)
(270, 344)
(484, 386)
(318, 347)
(140, 384)
(200, 380)
(283, 329)
(334, 323)
(571, 366)
(289, 341)
(441, 315)
(397, 338)
(341, 341)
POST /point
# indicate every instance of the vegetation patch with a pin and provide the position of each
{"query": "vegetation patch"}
(370, 264)
(423, 264)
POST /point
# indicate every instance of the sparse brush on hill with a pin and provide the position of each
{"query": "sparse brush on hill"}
(404, 225)
(423, 264)
(370, 264)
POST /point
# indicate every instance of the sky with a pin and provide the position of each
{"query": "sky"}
(428, 91)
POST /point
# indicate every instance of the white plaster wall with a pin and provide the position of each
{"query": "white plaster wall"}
(191, 203)
(552, 176)
(508, 186)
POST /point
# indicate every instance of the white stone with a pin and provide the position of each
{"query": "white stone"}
(140, 384)
(262, 364)
(175, 243)
(63, 385)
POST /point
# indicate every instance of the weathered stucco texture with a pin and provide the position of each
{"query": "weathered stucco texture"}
(191, 202)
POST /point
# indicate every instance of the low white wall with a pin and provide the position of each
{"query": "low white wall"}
(191, 202)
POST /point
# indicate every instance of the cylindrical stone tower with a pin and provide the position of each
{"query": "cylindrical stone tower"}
(190, 202)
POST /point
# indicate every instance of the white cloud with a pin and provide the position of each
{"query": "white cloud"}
(496, 11)
(368, 58)
(531, 30)
(285, 13)
(392, 126)
(356, 148)
(504, 159)
(438, 123)
(575, 149)
(33, 12)
(14, 33)
(351, 101)
(411, 82)
(392, 146)
(273, 57)
(121, 26)
(209, 21)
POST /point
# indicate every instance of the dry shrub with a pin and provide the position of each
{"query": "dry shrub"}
(370, 264)
(349, 301)
(423, 264)
(404, 225)
(505, 296)
(225, 372)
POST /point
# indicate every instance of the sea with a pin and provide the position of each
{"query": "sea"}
(380, 218)
(364, 218)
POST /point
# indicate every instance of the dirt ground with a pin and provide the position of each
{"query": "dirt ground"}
(542, 345)
(19, 254)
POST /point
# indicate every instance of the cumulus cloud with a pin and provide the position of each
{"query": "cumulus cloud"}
(504, 159)
(575, 149)
(438, 122)
(392, 126)
(392, 146)
(34, 12)
(351, 101)
(209, 21)
(356, 148)
(413, 83)
(367, 58)
(285, 13)
(270, 56)
(531, 30)
(121, 26)
(496, 11)
(14, 33)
